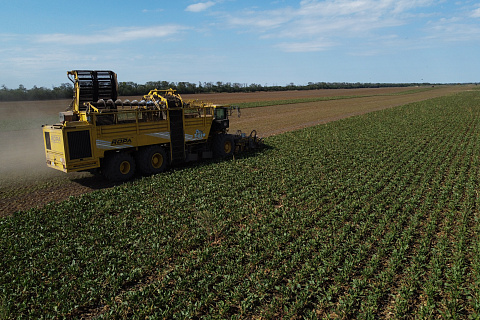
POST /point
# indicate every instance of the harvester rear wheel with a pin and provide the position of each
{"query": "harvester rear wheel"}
(119, 167)
(223, 145)
(152, 160)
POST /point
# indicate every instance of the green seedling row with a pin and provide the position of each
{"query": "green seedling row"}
(256, 104)
(374, 216)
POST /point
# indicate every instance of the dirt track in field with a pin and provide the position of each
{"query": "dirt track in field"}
(26, 182)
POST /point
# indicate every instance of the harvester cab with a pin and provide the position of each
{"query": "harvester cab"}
(220, 119)
(103, 133)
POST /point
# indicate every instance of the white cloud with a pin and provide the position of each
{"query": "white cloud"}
(333, 7)
(476, 13)
(114, 48)
(309, 46)
(201, 6)
(114, 35)
(152, 10)
(453, 30)
(333, 21)
(314, 19)
(270, 21)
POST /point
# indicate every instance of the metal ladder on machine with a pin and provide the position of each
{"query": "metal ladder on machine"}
(177, 136)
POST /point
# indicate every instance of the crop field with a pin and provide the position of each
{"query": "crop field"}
(25, 180)
(372, 216)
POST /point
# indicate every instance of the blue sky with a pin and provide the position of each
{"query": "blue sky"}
(265, 42)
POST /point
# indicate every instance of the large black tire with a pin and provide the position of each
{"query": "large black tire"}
(119, 166)
(223, 146)
(151, 160)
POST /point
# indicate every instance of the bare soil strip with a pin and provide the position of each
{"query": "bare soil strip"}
(26, 182)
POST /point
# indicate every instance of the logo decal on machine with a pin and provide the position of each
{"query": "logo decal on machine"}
(55, 139)
(199, 135)
(119, 141)
(114, 144)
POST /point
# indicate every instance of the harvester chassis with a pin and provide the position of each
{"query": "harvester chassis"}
(118, 138)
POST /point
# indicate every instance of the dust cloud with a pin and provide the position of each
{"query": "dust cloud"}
(22, 155)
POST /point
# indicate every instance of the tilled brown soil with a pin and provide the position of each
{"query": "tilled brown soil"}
(26, 182)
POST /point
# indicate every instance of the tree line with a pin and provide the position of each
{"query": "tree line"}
(134, 89)
(65, 90)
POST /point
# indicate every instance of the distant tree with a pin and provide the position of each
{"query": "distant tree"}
(65, 90)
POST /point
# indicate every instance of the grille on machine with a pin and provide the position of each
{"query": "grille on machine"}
(95, 85)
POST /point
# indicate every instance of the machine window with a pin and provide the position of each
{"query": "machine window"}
(220, 114)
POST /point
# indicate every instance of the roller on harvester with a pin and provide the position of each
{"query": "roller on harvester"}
(117, 138)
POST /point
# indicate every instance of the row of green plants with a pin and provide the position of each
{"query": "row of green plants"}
(375, 216)
(267, 103)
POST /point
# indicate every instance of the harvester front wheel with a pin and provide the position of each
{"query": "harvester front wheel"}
(119, 167)
(152, 160)
(223, 145)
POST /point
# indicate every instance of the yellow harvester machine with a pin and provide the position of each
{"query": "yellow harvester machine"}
(117, 138)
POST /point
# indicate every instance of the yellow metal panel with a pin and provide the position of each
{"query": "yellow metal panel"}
(160, 137)
(154, 126)
(115, 129)
(154, 132)
(197, 126)
(57, 152)
(195, 122)
(54, 147)
(77, 165)
(55, 135)
(121, 136)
